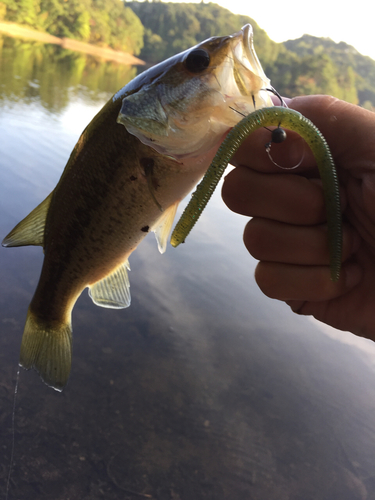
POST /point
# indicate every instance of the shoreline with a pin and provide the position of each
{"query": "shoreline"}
(17, 31)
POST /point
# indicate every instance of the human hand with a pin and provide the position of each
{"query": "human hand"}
(287, 233)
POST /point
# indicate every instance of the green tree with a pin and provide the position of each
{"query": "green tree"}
(154, 47)
(182, 25)
(65, 19)
(347, 83)
(22, 11)
(104, 22)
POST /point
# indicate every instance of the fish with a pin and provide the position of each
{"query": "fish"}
(135, 161)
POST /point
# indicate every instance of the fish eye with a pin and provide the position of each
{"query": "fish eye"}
(197, 61)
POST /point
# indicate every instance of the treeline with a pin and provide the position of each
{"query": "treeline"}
(308, 65)
(352, 70)
(155, 31)
(173, 27)
(108, 23)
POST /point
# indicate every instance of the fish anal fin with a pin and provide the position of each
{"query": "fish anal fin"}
(162, 228)
(30, 231)
(113, 291)
(47, 347)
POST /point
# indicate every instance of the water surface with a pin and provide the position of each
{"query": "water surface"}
(203, 388)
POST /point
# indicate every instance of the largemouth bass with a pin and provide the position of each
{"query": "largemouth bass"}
(139, 156)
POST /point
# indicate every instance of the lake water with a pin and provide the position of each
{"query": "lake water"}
(203, 388)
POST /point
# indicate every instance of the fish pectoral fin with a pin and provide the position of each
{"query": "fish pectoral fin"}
(113, 291)
(30, 231)
(47, 347)
(162, 228)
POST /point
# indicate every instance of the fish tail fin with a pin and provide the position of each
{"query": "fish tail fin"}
(47, 347)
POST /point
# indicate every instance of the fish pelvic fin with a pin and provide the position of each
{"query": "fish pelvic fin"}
(163, 226)
(113, 291)
(47, 347)
(30, 231)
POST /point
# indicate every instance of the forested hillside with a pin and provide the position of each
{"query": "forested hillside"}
(102, 22)
(346, 59)
(155, 31)
(172, 27)
(309, 65)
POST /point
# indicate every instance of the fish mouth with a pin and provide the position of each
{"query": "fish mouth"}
(247, 64)
(191, 117)
(248, 40)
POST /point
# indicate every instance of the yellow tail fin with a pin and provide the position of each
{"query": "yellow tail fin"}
(47, 347)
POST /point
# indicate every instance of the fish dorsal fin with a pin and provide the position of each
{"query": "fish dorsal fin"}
(113, 291)
(162, 228)
(30, 231)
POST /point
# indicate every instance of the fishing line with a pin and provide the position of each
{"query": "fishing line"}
(275, 92)
(237, 111)
(278, 135)
(13, 434)
(268, 150)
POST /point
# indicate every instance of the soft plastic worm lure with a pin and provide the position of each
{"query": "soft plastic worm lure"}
(275, 116)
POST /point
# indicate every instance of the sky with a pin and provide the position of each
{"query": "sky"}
(350, 22)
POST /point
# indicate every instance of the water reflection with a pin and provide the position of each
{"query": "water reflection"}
(203, 388)
(51, 76)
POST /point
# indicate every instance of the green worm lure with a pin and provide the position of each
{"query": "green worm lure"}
(274, 116)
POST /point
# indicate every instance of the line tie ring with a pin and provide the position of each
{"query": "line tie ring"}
(278, 135)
